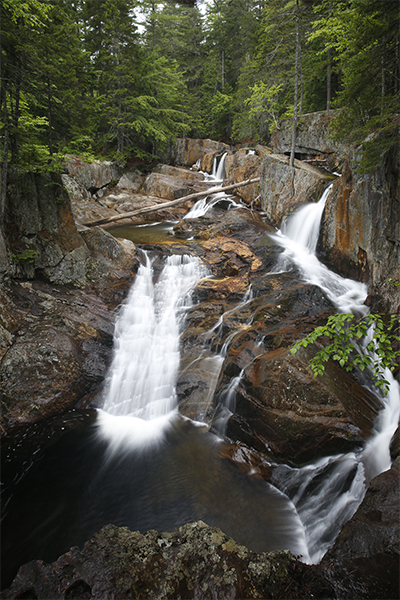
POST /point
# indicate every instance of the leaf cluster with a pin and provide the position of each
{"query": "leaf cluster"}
(365, 343)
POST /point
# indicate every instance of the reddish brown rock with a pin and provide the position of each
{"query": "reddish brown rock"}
(188, 151)
(360, 230)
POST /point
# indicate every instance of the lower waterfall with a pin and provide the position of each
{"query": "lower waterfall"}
(137, 462)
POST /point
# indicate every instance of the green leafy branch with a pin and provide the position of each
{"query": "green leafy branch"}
(351, 347)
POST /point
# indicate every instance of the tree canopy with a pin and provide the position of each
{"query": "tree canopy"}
(125, 77)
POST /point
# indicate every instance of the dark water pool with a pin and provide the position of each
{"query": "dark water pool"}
(60, 486)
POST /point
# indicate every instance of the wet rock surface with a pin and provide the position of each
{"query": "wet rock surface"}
(57, 348)
(360, 230)
(365, 560)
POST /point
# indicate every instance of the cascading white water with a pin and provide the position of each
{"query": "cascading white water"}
(327, 493)
(142, 378)
(205, 204)
(299, 237)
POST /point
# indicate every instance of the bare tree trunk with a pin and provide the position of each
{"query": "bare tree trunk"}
(329, 72)
(50, 115)
(223, 69)
(5, 156)
(296, 86)
(162, 206)
(301, 81)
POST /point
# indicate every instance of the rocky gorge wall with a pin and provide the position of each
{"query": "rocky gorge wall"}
(360, 231)
(56, 346)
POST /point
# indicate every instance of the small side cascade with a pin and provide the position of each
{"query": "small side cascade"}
(299, 237)
(205, 204)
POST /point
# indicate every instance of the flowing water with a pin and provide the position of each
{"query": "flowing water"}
(137, 462)
(327, 494)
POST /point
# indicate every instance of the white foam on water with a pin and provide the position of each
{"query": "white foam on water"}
(325, 503)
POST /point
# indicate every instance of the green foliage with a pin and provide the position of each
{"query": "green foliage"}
(351, 347)
(264, 102)
(26, 256)
(363, 36)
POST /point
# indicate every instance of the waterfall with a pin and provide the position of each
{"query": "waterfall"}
(205, 204)
(299, 237)
(140, 391)
(327, 493)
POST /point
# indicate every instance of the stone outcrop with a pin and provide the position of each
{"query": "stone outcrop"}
(195, 561)
(92, 176)
(188, 151)
(241, 166)
(313, 140)
(40, 232)
(360, 231)
(284, 187)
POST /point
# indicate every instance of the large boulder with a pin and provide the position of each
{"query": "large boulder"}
(195, 561)
(284, 187)
(166, 186)
(58, 349)
(313, 138)
(131, 180)
(94, 175)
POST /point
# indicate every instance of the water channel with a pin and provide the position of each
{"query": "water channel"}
(137, 462)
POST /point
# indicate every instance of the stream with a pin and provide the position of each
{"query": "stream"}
(137, 462)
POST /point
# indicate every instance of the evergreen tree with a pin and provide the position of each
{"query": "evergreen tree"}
(364, 36)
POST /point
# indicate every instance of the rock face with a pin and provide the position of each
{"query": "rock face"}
(188, 151)
(195, 561)
(360, 232)
(57, 349)
(241, 166)
(284, 187)
(312, 139)
(92, 176)
(40, 232)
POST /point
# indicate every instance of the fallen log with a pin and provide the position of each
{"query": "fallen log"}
(163, 205)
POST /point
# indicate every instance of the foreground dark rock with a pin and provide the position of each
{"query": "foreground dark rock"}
(365, 560)
(195, 561)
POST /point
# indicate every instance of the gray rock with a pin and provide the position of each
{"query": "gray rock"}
(92, 176)
(313, 136)
(131, 180)
(195, 561)
(283, 187)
